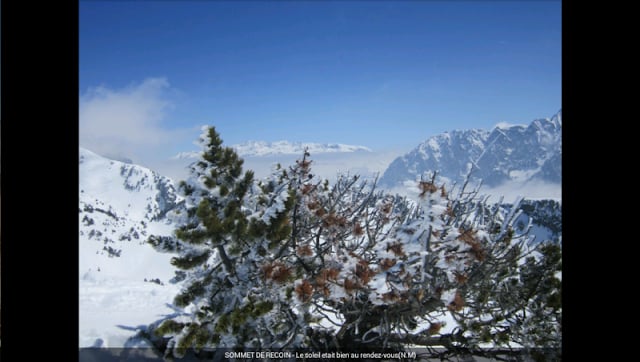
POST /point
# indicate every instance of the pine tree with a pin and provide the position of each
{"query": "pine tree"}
(232, 229)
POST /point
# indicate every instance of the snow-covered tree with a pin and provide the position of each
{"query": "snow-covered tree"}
(296, 262)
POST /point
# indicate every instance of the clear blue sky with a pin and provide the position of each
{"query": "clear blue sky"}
(379, 74)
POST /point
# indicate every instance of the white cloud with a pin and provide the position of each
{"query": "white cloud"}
(531, 189)
(508, 191)
(327, 165)
(128, 122)
(507, 125)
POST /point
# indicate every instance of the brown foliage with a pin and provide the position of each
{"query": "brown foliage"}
(358, 230)
(313, 204)
(334, 220)
(434, 328)
(323, 278)
(478, 251)
(324, 290)
(391, 296)
(469, 238)
(396, 248)
(387, 263)
(304, 291)
(276, 271)
(461, 278)
(386, 207)
(304, 164)
(332, 273)
(427, 186)
(307, 188)
(304, 250)
(321, 283)
(457, 303)
(449, 211)
(350, 285)
(364, 272)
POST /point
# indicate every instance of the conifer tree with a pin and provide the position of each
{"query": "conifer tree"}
(229, 225)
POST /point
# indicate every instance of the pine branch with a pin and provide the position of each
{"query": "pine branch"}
(228, 265)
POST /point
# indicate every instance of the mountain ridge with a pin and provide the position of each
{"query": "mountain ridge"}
(505, 153)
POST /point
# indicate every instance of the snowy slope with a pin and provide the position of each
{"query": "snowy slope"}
(120, 205)
(545, 217)
(507, 153)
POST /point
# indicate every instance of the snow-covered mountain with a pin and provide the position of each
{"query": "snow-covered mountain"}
(120, 201)
(124, 282)
(262, 148)
(506, 153)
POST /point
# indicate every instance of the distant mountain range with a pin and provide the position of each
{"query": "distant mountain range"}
(506, 153)
(262, 148)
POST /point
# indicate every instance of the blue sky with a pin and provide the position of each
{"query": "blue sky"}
(386, 75)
